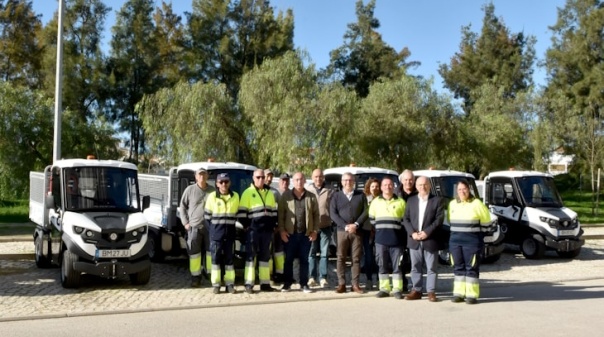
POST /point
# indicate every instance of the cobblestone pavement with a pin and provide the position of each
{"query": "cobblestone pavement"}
(28, 292)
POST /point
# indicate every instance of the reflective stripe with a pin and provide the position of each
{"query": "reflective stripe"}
(459, 286)
(384, 282)
(465, 229)
(388, 226)
(472, 287)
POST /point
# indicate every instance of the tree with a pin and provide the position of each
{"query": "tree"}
(19, 48)
(171, 45)
(228, 38)
(575, 67)
(495, 56)
(396, 124)
(188, 122)
(277, 100)
(134, 65)
(365, 57)
(85, 85)
(26, 137)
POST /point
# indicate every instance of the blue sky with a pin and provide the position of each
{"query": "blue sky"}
(431, 29)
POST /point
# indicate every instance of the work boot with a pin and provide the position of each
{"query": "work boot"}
(196, 281)
(231, 289)
(249, 289)
(266, 287)
(216, 290)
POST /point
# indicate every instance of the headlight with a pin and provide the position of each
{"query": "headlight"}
(78, 229)
(550, 222)
(136, 234)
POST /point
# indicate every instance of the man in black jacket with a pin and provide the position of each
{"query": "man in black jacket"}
(348, 209)
(423, 217)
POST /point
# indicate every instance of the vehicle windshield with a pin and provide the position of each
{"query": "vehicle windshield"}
(101, 188)
(335, 180)
(539, 191)
(447, 186)
(240, 179)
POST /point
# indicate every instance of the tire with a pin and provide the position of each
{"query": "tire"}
(41, 260)
(532, 247)
(70, 278)
(156, 254)
(569, 255)
(491, 259)
(142, 277)
(444, 257)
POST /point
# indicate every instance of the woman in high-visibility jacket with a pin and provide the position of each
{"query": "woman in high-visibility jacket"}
(469, 219)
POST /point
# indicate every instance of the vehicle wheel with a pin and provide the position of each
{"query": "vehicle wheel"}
(41, 260)
(491, 259)
(142, 277)
(444, 257)
(569, 255)
(532, 247)
(70, 278)
(156, 254)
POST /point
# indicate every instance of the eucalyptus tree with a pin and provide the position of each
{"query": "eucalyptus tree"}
(85, 86)
(19, 46)
(134, 66)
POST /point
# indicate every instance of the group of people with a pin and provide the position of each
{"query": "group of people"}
(377, 226)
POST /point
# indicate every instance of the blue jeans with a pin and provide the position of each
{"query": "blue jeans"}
(297, 247)
(320, 245)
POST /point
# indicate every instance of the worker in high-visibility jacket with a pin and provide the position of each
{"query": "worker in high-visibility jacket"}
(386, 215)
(192, 206)
(469, 219)
(258, 215)
(221, 213)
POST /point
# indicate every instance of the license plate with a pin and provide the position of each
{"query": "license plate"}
(112, 253)
(566, 232)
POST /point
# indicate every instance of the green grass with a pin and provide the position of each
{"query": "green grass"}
(14, 211)
(581, 202)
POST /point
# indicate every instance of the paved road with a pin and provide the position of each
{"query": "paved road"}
(542, 309)
(28, 292)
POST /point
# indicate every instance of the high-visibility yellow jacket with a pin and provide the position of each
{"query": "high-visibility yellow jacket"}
(258, 209)
(469, 220)
(387, 218)
(221, 212)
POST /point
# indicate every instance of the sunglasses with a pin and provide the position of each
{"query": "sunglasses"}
(259, 177)
(224, 182)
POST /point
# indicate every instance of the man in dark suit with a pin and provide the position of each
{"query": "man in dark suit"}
(423, 217)
(348, 209)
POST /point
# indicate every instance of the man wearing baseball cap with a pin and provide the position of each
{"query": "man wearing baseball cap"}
(221, 213)
(192, 206)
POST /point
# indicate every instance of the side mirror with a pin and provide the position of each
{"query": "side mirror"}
(49, 202)
(146, 202)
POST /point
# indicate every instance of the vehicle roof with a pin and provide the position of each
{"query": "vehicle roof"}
(80, 162)
(442, 173)
(516, 174)
(210, 165)
(358, 170)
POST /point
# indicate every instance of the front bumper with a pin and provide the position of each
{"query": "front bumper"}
(493, 249)
(565, 245)
(112, 268)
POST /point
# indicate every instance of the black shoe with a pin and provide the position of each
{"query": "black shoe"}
(195, 281)
(249, 289)
(266, 287)
(457, 299)
(382, 294)
(398, 295)
(471, 301)
(278, 278)
(285, 289)
(216, 290)
(231, 289)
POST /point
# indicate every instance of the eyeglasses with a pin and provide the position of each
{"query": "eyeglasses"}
(224, 182)
(260, 177)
